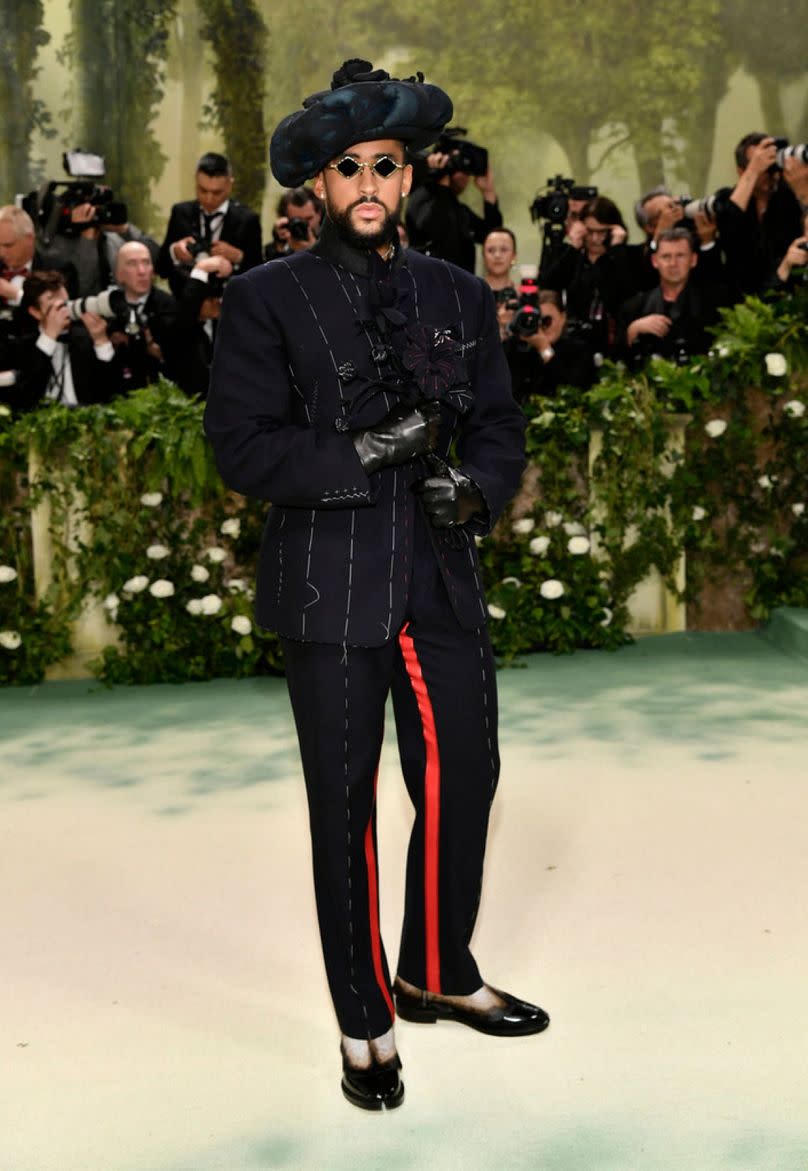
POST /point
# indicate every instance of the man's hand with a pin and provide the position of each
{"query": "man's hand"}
(706, 228)
(761, 156)
(217, 265)
(576, 236)
(228, 251)
(486, 184)
(655, 323)
(96, 327)
(617, 235)
(402, 434)
(796, 257)
(179, 249)
(541, 343)
(210, 309)
(449, 498)
(8, 291)
(437, 161)
(55, 320)
(670, 215)
(84, 213)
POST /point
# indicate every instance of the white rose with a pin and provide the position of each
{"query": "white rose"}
(723, 351)
(495, 611)
(231, 527)
(216, 554)
(241, 624)
(237, 585)
(514, 581)
(573, 529)
(151, 499)
(795, 408)
(5, 411)
(776, 365)
(553, 519)
(157, 552)
(111, 602)
(544, 419)
(698, 512)
(211, 604)
(7, 573)
(194, 606)
(715, 427)
(551, 589)
(578, 545)
(608, 615)
(161, 588)
(135, 584)
(199, 573)
(10, 639)
(525, 525)
(539, 545)
(478, 540)
(765, 481)
(798, 509)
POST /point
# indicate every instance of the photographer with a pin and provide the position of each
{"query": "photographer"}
(438, 223)
(550, 357)
(670, 320)
(593, 270)
(61, 360)
(499, 258)
(17, 254)
(761, 215)
(299, 216)
(198, 310)
(143, 333)
(658, 211)
(213, 223)
(86, 253)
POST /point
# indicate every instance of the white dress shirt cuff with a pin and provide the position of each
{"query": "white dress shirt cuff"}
(46, 344)
(105, 352)
(200, 274)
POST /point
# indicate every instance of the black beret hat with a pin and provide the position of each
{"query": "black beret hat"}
(362, 105)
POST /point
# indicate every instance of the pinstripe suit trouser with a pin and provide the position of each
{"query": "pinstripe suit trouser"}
(442, 681)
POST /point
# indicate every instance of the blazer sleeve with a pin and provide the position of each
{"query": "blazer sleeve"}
(255, 421)
(165, 265)
(491, 444)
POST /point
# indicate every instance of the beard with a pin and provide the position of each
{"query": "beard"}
(385, 233)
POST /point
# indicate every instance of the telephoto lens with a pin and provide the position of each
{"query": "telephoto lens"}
(111, 303)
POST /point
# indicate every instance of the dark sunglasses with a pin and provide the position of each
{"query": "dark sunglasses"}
(349, 167)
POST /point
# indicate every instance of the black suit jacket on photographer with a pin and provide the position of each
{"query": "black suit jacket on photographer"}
(572, 364)
(691, 313)
(94, 381)
(594, 291)
(439, 224)
(241, 228)
(191, 350)
(754, 247)
(135, 365)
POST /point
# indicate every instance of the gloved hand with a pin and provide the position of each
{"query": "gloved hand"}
(403, 433)
(449, 498)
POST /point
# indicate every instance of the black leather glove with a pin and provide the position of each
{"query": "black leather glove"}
(450, 498)
(403, 433)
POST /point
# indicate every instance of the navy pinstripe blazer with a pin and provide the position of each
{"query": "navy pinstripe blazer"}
(299, 361)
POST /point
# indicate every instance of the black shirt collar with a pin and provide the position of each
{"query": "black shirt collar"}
(361, 261)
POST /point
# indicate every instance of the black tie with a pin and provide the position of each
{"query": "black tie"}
(208, 232)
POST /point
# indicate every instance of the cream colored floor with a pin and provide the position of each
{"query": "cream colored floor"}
(163, 1004)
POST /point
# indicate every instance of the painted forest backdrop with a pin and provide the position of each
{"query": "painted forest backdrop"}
(625, 94)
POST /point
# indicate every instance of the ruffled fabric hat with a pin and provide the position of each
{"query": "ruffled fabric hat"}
(363, 104)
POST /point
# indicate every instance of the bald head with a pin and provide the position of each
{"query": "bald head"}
(134, 270)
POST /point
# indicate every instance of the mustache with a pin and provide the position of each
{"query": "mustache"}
(364, 200)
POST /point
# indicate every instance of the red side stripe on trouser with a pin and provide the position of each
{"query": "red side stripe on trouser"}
(373, 905)
(431, 810)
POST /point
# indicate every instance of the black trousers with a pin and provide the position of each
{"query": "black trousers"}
(443, 688)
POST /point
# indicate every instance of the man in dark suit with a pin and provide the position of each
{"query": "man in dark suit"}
(59, 360)
(143, 334)
(341, 376)
(214, 222)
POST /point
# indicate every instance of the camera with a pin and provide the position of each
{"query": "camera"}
(464, 156)
(198, 249)
(298, 228)
(527, 318)
(785, 151)
(554, 204)
(109, 304)
(50, 206)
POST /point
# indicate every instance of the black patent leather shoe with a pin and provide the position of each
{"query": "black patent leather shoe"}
(376, 1088)
(513, 1018)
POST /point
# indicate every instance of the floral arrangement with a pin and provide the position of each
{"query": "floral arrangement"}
(141, 521)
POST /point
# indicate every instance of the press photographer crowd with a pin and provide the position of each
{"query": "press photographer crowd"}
(82, 318)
